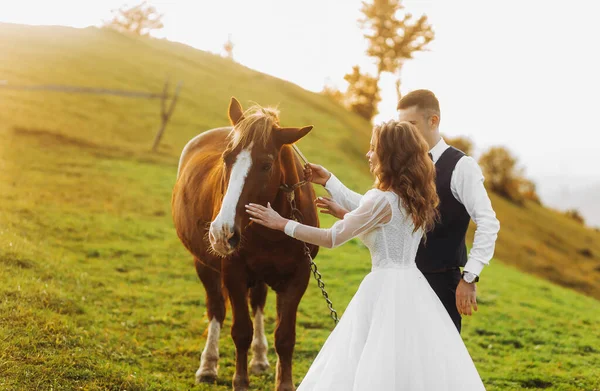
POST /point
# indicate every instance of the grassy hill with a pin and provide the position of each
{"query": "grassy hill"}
(97, 292)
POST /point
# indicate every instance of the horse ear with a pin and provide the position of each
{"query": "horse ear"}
(291, 135)
(236, 113)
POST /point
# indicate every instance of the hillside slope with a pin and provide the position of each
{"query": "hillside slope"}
(534, 239)
(98, 292)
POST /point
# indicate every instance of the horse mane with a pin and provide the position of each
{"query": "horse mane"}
(256, 125)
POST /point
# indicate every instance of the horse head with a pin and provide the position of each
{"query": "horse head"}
(252, 170)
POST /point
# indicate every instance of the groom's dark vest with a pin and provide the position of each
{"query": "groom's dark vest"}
(445, 247)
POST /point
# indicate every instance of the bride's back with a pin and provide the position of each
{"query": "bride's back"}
(393, 244)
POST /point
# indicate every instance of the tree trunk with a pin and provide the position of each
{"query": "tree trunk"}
(399, 82)
(165, 112)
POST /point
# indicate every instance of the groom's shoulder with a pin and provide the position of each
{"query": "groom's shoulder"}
(461, 161)
(456, 151)
(468, 165)
(450, 157)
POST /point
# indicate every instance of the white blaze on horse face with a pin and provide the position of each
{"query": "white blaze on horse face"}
(210, 356)
(237, 179)
(222, 228)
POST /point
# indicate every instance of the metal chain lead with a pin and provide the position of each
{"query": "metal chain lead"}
(321, 284)
(297, 216)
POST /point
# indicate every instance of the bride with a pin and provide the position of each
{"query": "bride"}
(395, 334)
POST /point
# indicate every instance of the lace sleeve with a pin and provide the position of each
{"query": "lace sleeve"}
(374, 209)
(347, 198)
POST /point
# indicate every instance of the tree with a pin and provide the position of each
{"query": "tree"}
(393, 36)
(463, 143)
(504, 178)
(528, 190)
(228, 47)
(140, 19)
(501, 173)
(575, 215)
(334, 94)
(362, 95)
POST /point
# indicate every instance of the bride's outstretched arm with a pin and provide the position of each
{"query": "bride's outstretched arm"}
(374, 209)
(347, 198)
(341, 194)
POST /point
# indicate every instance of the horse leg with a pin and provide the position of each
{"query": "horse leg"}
(259, 363)
(215, 306)
(285, 333)
(236, 283)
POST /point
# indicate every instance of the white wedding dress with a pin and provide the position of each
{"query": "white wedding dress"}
(395, 334)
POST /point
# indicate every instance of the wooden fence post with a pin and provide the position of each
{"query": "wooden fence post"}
(166, 113)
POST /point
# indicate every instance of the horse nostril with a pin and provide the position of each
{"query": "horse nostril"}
(234, 240)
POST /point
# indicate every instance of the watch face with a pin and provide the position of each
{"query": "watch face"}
(468, 277)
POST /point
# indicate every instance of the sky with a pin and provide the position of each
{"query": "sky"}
(517, 73)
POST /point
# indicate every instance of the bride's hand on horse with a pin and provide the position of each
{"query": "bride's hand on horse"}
(316, 174)
(266, 216)
(330, 207)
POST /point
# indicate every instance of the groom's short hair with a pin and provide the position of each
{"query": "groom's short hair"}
(422, 99)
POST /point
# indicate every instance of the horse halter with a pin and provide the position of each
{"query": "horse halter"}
(290, 190)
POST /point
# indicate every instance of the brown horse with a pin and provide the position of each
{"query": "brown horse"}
(221, 171)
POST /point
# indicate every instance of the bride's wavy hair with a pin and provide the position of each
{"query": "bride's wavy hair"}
(404, 167)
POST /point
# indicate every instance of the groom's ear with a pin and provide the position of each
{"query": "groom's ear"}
(434, 121)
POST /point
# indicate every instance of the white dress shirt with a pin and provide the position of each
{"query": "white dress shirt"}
(467, 187)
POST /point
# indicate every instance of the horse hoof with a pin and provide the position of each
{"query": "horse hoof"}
(205, 377)
(258, 368)
(240, 383)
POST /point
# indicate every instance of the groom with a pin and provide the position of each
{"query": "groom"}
(463, 197)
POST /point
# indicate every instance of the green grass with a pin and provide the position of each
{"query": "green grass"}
(97, 293)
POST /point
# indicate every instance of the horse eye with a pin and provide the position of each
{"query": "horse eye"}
(267, 166)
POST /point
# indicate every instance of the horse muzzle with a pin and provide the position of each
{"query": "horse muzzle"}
(223, 239)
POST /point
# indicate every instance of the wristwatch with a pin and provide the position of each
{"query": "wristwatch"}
(470, 277)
